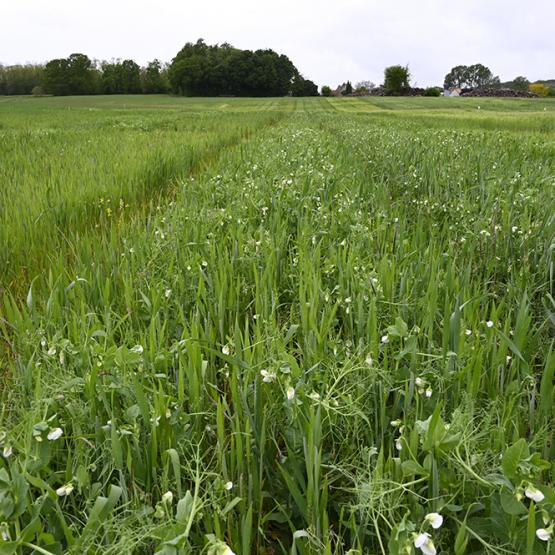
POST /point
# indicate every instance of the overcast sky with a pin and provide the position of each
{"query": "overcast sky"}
(328, 41)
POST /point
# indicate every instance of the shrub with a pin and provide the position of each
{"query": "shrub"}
(540, 89)
(326, 91)
(432, 91)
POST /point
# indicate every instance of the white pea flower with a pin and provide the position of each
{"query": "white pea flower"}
(226, 350)
(398, 444)
(54, 434)
(468, 332)
(138, 349)
(489, 324)
(167, 497)
(385, 339)
(226, 550)
(64, 490)
(419, 382)
(396, 423)
(534, 494)
(228, 486)
(369, 361)
(435, 519)
(544, 534)
(425, 544)
(290, 393)
(428, 392)
(267, 376)
(51, 352)
(168, 293)
(7, 452)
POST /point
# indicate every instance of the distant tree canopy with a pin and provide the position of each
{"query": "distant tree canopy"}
(396, 79)
(303, 87)
(471, 77)
(154, 78)
(121, 77)
(200, 69)
(364, 87)
(520, 83)
(20, 79)
(73, 75)
(326, 90)
(347, 89)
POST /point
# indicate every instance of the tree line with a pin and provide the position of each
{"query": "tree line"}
(397, 82)
(78, 75)
(198, 69)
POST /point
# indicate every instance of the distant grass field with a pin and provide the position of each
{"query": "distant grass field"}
(270, 326)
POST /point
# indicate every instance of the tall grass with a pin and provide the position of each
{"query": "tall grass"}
(71, 170)
(339, 327)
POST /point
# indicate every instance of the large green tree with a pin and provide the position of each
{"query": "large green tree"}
(472, 77)
(121, 77)
(73, 75)
(396, 79)
(520, 83)
(153, 78)
(303, 87)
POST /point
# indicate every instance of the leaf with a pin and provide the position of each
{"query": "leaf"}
(230, 505)
(102, 508)
(400, 329)
(510, 504)
(512, 458)
(411, 467)
(176, 465)
(461, 540)
(30, 298)
(184, 508)
(8, 548)
(290, 333)
(117, 452)
(531, 530)
(512, 347)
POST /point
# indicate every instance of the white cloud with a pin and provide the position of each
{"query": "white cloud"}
(329, 41)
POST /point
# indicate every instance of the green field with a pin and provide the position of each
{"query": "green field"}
(277, 326)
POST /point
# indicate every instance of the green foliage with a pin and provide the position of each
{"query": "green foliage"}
(203, 70)
(520, 83)
(396, 79)
(154, 78)
(433, 91)
(540, 89)
(304, 331)
(472, 77)
(75, 75)
(326, 90)
(347, 89)
(364, 87)
(20, 79)
(121, 77)
(303, 87)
